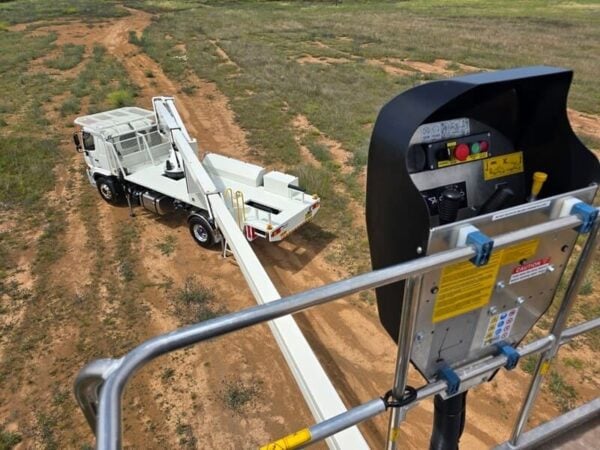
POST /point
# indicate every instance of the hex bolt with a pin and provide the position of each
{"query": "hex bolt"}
(551, 268)
(492, 311)
(500, 285)
(419, 250)
(520, 300)
(434, 290)
(419, 336)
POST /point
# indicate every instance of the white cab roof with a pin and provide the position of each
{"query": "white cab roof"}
(117, 121)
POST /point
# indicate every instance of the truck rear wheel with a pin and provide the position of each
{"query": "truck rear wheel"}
(109, 190)
(201, 231)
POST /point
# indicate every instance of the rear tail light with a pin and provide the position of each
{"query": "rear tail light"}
(250, 233)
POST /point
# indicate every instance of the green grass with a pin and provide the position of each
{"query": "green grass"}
(8, 439)
(127, 235)
(564, 395)
(70, 106)
(105, 81)
(586, 288)
(33, 10)
(574, 363)
(168, 245)
(195, 303)
(26, 168)
(528, 364)
(70, 56)
(185, 432)
(237, 395)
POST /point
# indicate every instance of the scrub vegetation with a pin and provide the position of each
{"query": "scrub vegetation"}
(305, 81)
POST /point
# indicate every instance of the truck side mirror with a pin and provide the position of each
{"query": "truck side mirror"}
(77, 142)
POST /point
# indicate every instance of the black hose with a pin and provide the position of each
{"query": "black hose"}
(448, 422)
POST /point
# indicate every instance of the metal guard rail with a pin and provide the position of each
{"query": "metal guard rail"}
(99, 385)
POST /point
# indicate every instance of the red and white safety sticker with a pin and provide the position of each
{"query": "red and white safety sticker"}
(529, 270)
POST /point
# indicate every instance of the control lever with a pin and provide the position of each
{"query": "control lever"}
(500, 199)
(449, 205)
(539, 178)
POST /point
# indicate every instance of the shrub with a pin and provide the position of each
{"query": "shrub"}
(120, 98)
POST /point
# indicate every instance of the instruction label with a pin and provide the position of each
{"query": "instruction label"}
(465, 287)
(519, 252)
(500, 326)
(503, 166)
(529, 270)
(527, 207)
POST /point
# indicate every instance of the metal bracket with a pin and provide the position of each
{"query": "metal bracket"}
(451, 378)
(588, 215)
(512, 356)
(483, 247)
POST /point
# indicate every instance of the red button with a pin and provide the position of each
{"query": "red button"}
(484, 146)
(461, 152)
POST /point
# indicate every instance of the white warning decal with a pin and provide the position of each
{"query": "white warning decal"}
(529, 270)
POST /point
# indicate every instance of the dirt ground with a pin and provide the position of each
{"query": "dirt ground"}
(346, 335)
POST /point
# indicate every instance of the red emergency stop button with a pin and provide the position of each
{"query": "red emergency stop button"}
(462, 152)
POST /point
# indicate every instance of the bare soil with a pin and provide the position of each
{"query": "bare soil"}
(346, 335)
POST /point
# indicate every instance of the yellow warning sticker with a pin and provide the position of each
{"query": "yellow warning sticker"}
(545, 367)
(519, 252)
(465, 287)
(502, 166)
(290, 441)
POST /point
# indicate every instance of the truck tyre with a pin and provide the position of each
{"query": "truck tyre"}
(109, 190)
(201, 231)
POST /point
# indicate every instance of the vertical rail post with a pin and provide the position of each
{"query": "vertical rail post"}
(558, 327)
(405, 340)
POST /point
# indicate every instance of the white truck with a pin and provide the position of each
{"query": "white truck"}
(148, 158)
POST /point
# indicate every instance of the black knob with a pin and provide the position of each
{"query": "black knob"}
(449, 205)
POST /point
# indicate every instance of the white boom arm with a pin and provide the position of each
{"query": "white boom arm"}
(319, 393)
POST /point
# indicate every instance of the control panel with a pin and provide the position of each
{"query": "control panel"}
(465, 168)
(489, 152)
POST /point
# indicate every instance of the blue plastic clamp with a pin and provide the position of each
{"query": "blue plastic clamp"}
(451, 378)
(588, 215)
(512, 356)
(483, 247)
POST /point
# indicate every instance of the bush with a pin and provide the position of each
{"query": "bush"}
(195, 303)
(120, 98)
(69, 106)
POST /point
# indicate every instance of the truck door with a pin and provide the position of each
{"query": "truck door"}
(95, 151)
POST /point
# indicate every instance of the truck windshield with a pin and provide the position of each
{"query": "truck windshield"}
(88, 141)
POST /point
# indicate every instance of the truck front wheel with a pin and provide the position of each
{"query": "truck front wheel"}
(109, 190)
(201, 231)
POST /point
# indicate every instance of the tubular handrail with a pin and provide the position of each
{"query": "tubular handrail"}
(109, 378)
